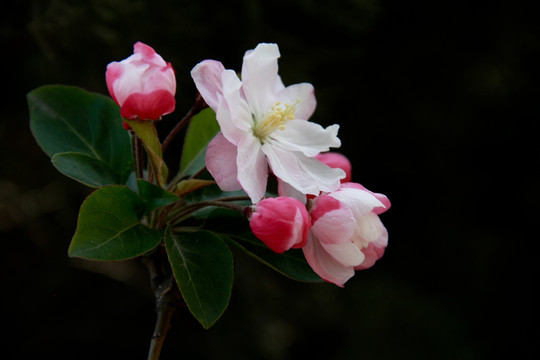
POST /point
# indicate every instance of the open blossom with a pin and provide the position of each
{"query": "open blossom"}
(281, 223)
(143, 85)
(264, 124)
(346, 233)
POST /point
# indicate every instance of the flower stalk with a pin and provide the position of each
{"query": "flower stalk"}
(177, 217)
(136, 150)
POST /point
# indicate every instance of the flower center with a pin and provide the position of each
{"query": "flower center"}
(274, 119)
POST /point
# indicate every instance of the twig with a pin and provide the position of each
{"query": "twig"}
(168, 298)
(197, 106)
(188, 209)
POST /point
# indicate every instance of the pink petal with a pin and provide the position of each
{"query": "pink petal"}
(322, 205)
(207, 78)
(113, 73)
(324, 264)
(384, 200)
(148, 106)
(373, 253)
(281, 223)
(148, 54)
(221, 163)
(334, 227)
(302, 225)
(252, 167)
(159, 78)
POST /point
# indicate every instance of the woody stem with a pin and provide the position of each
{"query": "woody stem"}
(197, 106)
(168, 298)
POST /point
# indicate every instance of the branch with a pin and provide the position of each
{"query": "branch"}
(168, 298)
(197, 106)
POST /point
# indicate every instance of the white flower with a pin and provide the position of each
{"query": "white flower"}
(263, 123)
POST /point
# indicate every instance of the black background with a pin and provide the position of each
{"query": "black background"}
(438, 107)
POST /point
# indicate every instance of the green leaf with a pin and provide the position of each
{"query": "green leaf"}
(68, 120)
(153, 196)
(234, 228)
(109, 226)
(291, 263)
(203, 267)
(146, 131)
(85, 169)
(202, 128)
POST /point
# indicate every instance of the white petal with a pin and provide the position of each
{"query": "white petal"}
(303, 95)
(278, 86)
(327, 178)
(252, 168)
(259, 77)
(324, 264)
(221, 163)
(305, 174)
(307, 137)
(359, 201)
(241, 115)
(233, 113)
(287, 166)
(207, 78)
(129, 82)
(370, 229)
(287, 190)
(347, 253)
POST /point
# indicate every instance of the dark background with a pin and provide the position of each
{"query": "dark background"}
(438, 106)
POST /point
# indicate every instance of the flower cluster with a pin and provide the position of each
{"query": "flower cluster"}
(264, 133)
(254, 174)
(264, 125)
(339, 234)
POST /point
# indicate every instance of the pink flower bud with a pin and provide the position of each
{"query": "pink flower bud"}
(337, 161)
(346, 232)
(143, 85)
(281, 223)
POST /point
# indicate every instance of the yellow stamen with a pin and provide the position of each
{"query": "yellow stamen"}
(274, 119)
